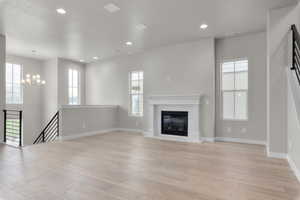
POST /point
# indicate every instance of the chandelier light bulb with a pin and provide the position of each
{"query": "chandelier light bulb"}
(33, 80)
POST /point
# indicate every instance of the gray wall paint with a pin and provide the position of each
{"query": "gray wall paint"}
(63, 66)
(278, 49)
(32, 100)
(187, 68)
(252, 47)
(2, 83)
(76, 120)
(56, 89)
(50, 95)
(293, 117)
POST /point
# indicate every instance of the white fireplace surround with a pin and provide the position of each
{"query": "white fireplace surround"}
(188, 103)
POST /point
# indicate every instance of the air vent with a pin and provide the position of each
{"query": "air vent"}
(112, 8)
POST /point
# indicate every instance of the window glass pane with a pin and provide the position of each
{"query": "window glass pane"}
(141, 100)
(241, 66)
(135, 104)
(70, 77)
(75, 78)
(75, 92)
(134, 76)
(228, 67)
(141, 75)
(70, 95)
(17, 74)
(135, 88)
(241, 80)
(14, 93)
(228, 105)
(241, 105)
(9, 73)
(228, 81)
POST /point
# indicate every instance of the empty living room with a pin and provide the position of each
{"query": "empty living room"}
(150, 100)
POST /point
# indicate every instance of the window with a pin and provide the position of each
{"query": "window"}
(136, 81)
(74, 87)
(14, 90)
(235, 90)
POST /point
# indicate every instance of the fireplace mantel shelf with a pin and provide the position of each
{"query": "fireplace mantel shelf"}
(174, 99)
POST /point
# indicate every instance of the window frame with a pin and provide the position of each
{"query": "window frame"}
(234, 91)
(141, 114)
(12, 86)
(72, 87)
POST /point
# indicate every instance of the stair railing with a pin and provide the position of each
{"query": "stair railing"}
(50, 132)
(296, 51)
(13, 127)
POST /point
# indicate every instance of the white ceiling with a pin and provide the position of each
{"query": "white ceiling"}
(88, 30)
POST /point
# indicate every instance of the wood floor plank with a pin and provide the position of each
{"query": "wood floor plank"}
(127, 166)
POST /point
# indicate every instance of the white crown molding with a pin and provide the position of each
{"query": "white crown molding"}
(174, 99)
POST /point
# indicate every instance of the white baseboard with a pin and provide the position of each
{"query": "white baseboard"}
(71, 137)
(276, 155)
(239, 140)
(294, 167)
(92, 133)
(208, 139)
(130, 130)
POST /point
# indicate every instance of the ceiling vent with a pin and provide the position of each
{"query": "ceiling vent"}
(112, 8)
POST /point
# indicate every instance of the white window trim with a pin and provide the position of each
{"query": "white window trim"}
(221, 90)
(130, 114)
(79, 89)
(21, 86)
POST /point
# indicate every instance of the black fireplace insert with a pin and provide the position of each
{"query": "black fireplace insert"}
(174, 123)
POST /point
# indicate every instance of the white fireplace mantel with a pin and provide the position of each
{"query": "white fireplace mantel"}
(189, 103)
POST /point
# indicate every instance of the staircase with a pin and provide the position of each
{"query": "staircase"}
(13, 127)
(50, 132)
(296, 51)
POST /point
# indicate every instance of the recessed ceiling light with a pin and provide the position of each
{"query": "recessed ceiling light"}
(141, 27)
(203, 26)
(81, 60)
(129, 43)
(96, 58)
(112, 8)
(61, 11)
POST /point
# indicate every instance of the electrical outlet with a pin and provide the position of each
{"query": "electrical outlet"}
(83, 125)
(244, 130)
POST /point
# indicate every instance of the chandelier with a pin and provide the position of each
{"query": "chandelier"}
(34, 79)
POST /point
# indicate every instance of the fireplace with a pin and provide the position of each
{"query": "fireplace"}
(174, 123)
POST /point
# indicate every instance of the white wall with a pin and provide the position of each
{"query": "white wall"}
(293, 121)
(187, 68)
(278, 55)
(2, 83)
(252, 47)
(50, 94)
(63, 66)
(87, 120)
(32, 101)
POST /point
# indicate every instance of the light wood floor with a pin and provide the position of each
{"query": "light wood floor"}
(126, 166)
